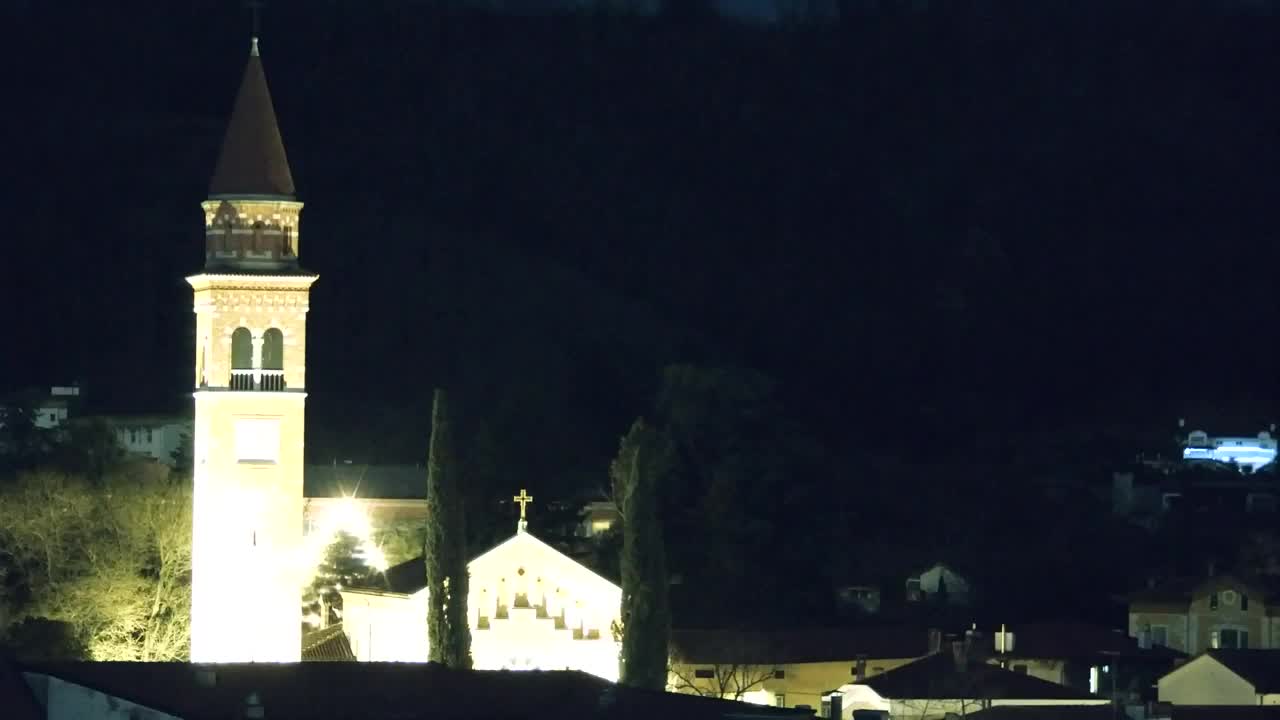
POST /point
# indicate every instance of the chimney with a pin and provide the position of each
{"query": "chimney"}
(836, 705)
(935, 641)
(960, 654)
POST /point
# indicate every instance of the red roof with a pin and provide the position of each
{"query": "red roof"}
(253, 160)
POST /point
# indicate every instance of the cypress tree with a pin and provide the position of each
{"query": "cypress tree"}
(445, 550)
(646, 614)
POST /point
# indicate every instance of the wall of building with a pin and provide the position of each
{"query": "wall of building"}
(386, 628)
(1205, 681)
(247, 572)
(1175, 625)
(1204, 620)
(800, 684)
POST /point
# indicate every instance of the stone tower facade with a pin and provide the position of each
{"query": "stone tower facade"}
(250, 387)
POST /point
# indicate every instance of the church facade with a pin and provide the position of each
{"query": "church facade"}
(530, 608)
(251, 302)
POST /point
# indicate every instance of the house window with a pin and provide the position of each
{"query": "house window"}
(1160, 635)
(1229, 597)
(779, 674)
(1244, 601)
(704, 673)
(1020, 669)
(1233, 638)
(780, 700)
(1213, 601)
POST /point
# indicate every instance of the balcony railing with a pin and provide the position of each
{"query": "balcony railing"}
(252, 379)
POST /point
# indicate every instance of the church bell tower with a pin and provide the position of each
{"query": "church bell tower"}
(250, 388)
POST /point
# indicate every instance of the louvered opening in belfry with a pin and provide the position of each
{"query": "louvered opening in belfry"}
(241, 360)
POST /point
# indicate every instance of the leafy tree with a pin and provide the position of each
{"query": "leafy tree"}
(89, 449)
(342, 565)
(110, 561)
(646, 613)
(445, 551)
(401, 540)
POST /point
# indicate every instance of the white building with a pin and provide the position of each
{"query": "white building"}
(152, 436)
(1249, 453)
(530, 608)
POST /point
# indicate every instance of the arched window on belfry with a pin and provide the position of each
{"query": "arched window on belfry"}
(242, 359)
(273, 359)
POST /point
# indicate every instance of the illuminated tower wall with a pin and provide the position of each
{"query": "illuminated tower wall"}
(251, 305)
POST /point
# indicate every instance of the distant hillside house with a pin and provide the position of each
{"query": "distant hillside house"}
(1194, 615)
(1225, 677)
(48, 411)
(939, 583)
(157, 437)
(1248, 453)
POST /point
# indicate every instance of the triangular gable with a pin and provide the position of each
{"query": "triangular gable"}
(1196, 662)
(523, 546)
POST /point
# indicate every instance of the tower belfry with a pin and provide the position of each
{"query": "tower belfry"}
(251, 304)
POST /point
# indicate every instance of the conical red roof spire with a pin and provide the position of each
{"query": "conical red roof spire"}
(253, 160)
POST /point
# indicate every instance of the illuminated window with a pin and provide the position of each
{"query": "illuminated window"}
(258, 440)
(1234, 638)
(780, 700)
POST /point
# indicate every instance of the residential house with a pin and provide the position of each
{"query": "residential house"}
(48, 411)
(1194, 615)
(939, 583)
(324, 691)
(158, 437)
(1225, 677)
(956, 682)
(789, 668)
(1082, 656)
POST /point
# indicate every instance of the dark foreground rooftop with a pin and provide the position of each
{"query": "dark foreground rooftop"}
(376, 691)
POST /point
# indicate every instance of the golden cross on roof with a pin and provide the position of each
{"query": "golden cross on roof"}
(523, 498)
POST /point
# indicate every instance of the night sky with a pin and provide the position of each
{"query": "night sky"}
(927, 223)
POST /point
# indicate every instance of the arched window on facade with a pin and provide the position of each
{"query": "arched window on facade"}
(242, 359)
(273, 360)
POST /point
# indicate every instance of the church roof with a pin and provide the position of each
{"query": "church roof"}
(252, 161)
(327, 645)
(410, 576)
(378, 691)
